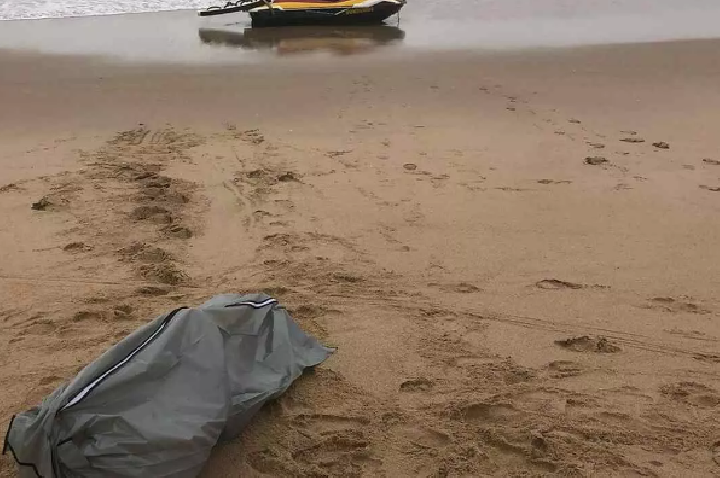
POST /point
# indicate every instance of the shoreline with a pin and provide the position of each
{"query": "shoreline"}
(137, 36)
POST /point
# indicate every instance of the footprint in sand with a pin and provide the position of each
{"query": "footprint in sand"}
(691, 334)
(558, 284)
(85, 315)
(276, 291)
(178, 232)
(595, 160)
(9, 187)
(253, 136)
(154, 214)
(706, 357)
(426, 438)
(632, 139)
(165, 273)
(417, 384)
(288, 177)
(586, 343)
(459, 287)
(340, 453)
(346, 278)
(563, 369)
(140, 252)
(122, 312)
(691, 393)
(152, 291)
(324, 422)
(307, 311)
(270, 462)
(670, 304)
(39, 326)
(94, 300)
(552, 181)
(49, 380)
(77, 246)
(43, 204)
(716, 452)
(259, 215)
(335, 154)
(512, 189)
(486, 412)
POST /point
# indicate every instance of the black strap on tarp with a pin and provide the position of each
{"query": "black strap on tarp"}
(7, 446)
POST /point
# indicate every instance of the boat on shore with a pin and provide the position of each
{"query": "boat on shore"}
(311, 12)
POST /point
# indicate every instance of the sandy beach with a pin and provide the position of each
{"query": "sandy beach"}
(515, 253)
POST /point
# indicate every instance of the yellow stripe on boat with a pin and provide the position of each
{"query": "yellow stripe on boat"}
(309, 5)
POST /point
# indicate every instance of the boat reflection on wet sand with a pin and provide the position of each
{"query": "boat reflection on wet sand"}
(338, 40)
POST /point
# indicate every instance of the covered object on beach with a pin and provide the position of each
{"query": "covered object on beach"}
(156, 403)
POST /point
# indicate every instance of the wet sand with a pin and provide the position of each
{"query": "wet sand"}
(517, 280)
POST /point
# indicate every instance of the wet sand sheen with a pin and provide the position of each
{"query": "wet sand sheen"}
(181, 36)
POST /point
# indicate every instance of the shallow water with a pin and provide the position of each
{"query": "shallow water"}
(32, 9)
(182, 36)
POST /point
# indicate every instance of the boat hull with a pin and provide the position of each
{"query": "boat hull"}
(275, 17)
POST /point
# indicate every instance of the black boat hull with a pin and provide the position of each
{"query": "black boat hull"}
(325, 16)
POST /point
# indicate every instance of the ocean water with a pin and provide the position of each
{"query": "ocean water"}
(30, 9)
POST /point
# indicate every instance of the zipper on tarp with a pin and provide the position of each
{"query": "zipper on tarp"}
(92, 385)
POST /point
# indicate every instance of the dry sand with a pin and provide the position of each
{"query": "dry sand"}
(502, 305)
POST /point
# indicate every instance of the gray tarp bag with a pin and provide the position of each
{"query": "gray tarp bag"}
(156, 403)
